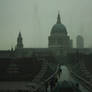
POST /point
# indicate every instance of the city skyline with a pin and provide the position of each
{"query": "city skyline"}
(35, 21)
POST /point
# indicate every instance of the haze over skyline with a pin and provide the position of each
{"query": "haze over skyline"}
(35, 18)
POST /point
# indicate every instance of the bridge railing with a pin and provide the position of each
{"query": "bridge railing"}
(44, 85)
(83, 81)
(87, 84)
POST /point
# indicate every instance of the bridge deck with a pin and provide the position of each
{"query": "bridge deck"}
(65, 75)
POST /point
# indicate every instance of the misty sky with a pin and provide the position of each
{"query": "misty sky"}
(35, 18)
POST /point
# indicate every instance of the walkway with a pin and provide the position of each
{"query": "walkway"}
(67, 76)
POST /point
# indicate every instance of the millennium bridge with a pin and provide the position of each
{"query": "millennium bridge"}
(49, 83)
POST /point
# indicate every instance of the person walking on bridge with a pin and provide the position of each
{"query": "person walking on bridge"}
(59, 70)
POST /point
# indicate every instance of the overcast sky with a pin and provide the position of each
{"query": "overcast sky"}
(35, 18)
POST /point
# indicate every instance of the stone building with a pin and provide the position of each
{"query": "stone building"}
(59, 39)
(19, 42)
(80, 42)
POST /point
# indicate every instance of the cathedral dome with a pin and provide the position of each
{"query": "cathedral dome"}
(58, 28)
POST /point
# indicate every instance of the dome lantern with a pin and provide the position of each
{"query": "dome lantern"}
(58, 19)
(59, 28)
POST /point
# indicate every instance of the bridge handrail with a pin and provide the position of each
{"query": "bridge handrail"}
(47, 80)
(52, 75)
(85, 81)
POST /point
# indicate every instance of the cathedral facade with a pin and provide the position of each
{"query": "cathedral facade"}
(58, 42)
(59, 38)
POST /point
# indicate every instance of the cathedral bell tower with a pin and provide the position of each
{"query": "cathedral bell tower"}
(19, 42)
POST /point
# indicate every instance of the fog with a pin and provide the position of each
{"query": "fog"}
(35, 18)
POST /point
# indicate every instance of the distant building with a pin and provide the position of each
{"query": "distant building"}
(59, 38)
(59, 44)
(80, 42)
(19, 42)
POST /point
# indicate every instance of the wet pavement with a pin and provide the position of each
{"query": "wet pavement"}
(65, 75)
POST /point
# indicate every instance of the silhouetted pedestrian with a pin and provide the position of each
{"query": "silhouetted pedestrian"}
(59, 70)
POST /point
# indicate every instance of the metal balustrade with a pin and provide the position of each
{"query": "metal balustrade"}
(44, 85)
(86, 83)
